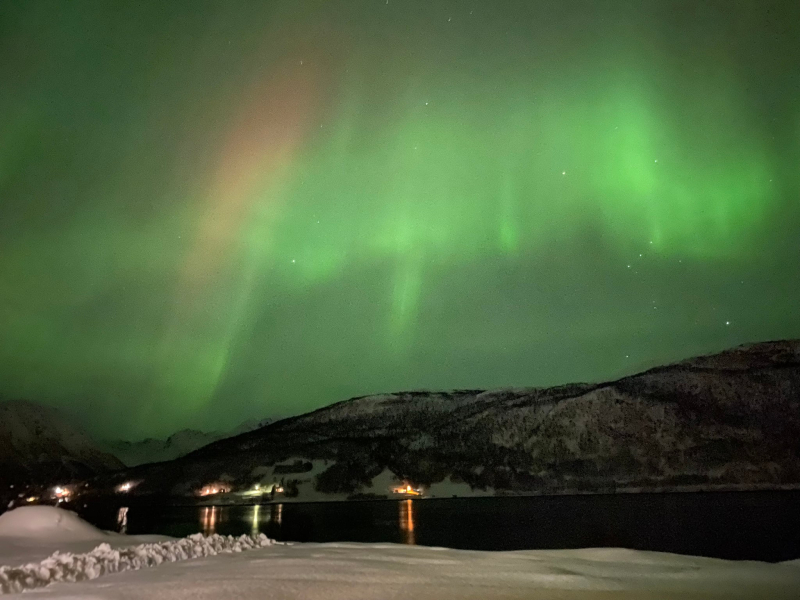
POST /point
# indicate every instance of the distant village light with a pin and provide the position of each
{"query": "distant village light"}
(61, 492)
(407, 490)
(214, 488)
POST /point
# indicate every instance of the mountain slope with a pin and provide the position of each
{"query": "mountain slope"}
(37, 444)
(152, 450)
(178, 444)
(731, 419)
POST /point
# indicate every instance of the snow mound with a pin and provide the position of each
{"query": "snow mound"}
(104, 560)
(47, 522)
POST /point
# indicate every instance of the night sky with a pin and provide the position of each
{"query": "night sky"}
(215, 211)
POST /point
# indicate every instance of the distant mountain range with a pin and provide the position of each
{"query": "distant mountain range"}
(178, 444)
(38, 444)
(729, 420)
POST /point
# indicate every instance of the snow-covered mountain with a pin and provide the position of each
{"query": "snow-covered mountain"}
(38, 444)
(178, 444)
(714, 422)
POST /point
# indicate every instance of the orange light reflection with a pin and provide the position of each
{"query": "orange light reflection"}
(208, 519)
(406, 516)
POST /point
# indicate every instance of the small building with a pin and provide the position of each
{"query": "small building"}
(407, 490)
(214, 488)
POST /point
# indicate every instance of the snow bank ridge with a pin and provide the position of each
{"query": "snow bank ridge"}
(104, 560)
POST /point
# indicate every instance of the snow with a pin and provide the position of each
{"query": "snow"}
(34, 438)
(305, 483)
(385, 571)
(28, 539)
(381, 485)
(48, 522)
(104, 560)
(217, 567)
(175, 446)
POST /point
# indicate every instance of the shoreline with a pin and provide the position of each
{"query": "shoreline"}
(629, 491)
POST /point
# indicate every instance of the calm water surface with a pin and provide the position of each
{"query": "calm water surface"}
(753, 525)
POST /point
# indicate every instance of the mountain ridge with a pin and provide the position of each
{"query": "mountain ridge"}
(731, 418)
(178, 444)
(39, 444)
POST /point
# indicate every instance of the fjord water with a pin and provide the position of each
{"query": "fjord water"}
(732, 525)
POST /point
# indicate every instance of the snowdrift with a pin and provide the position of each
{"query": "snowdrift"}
(47, 524)
(384, 571)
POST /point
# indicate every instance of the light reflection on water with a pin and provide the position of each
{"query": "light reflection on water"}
(122, 519)
(208, 519)
(255, 528)
(406, 521)
(738, 526)
(260, 517)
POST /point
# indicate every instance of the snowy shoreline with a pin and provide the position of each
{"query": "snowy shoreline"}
(233, 499)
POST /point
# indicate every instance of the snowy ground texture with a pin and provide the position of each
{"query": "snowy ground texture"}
(372, 571)
(104, 560)
(32, 530)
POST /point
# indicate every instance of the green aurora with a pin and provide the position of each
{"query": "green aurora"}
(218, 211)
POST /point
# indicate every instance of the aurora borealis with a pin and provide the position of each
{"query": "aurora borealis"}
(214, 211)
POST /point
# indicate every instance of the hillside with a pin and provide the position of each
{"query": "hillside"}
(731, 419)
(179, 444)
(38, 444)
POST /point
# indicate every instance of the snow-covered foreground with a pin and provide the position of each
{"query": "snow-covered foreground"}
(47, 525)
(104, 560)
(386, 571)
(368, 571)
